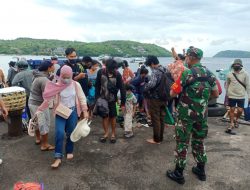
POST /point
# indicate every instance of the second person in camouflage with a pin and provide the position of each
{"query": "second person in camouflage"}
(198, 85)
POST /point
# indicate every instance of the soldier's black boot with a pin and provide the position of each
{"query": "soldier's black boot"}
(176, 175)
(199, 171)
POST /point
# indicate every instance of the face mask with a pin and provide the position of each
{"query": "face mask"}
(72, 61)
(237, 68)
(14, 68)
(66, 81)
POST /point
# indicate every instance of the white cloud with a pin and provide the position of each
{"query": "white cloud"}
(209, 24)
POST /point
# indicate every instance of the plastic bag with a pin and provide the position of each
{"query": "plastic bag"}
(168, 119)
(28, 186)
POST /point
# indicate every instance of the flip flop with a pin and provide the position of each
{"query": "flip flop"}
(236, 124)
(229, 131)
(103, 139)
(48, 148)
(37, 142)
(113, 140)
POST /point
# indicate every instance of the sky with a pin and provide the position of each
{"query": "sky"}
(212, 25)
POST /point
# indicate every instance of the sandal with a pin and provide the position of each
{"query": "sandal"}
(113, 140)
(48, 148)
(103, 139)
(229, 131)
(37, 142)
(236, 124)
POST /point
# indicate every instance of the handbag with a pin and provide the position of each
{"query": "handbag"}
(101, 108)
(63, 111)
(247, 112)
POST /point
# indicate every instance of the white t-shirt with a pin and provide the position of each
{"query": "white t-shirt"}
(68, 96)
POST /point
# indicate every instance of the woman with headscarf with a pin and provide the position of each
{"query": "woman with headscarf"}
(68, 94)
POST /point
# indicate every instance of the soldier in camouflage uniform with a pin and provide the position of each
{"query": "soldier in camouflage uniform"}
(198, 85)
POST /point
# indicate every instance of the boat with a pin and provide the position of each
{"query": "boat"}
(35, 63)
(103, 56)
(138, 60)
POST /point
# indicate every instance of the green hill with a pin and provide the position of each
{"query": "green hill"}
(233, 54)
(29, 46)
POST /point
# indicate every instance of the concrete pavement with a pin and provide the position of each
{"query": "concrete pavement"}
(129, 164)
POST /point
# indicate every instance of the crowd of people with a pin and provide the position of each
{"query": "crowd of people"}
(87, 88)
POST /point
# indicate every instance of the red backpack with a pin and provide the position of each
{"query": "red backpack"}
(219, 86)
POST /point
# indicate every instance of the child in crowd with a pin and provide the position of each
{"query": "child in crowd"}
(130, 107)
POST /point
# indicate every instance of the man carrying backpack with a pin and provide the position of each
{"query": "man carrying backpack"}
(157, 106)
(198, 85)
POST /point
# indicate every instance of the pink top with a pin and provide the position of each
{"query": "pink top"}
(54, 89)
(81, 103)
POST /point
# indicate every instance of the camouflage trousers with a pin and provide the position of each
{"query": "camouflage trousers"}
(183, 131)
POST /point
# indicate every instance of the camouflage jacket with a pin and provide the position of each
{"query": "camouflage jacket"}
(194, 98)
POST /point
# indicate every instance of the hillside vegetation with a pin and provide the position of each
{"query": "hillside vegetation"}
(233, 54)
(29, 46)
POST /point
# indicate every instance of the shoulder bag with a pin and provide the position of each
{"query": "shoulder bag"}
(239, 81)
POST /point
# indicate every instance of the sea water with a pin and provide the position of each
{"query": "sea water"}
(212, 64)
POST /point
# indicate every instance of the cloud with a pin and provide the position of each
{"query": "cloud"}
(223, 42)
(181, 23)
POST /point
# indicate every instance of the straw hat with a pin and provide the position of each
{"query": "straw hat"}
(82, 130)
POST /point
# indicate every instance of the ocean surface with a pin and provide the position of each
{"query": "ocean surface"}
(211, 63)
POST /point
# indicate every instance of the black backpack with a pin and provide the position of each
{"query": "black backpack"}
(164, 86)
(208, 78)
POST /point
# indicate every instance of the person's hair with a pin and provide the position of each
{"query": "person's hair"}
(95, 62)
(22, 65)
(111, 65)
(129, 87)
(12, 63)
(54, 58)
(87, 59)
(45, 65)
(144, 71)
(151, 59)
(125, 62)
(181, 57)
(68, 51)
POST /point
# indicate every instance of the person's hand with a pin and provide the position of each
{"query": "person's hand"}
(123, 109)
(80, 76)
(133, 115)
(38, 114)
(86, 115)
(51, 77)
(5, 113)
